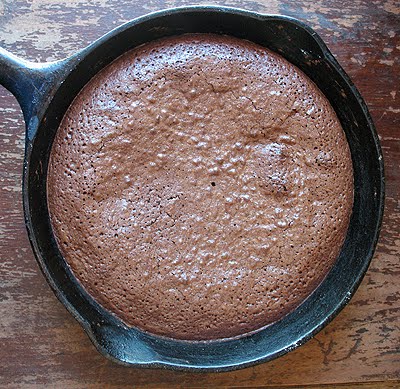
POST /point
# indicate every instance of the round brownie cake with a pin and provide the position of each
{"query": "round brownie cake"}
(200, 187)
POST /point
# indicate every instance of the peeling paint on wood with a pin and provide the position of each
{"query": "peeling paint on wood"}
(43, 346)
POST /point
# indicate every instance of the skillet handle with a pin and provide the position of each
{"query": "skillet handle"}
(33, 84)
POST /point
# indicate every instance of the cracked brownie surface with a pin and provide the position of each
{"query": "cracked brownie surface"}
(200, 187)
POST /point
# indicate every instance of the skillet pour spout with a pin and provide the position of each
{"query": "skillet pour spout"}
(45, 92)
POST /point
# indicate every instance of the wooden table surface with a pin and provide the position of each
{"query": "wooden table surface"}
(41, 345)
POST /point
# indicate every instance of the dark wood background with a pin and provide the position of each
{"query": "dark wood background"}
(41, 345)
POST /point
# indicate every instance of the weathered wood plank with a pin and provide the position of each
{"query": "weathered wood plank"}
(41, 345)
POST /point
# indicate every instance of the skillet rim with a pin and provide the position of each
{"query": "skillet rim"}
(76, 59)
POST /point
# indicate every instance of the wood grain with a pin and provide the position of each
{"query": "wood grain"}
(40, 343)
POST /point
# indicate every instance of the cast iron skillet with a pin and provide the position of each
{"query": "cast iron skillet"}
(45, 91)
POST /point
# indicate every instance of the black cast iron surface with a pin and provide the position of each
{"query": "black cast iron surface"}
(45, 91)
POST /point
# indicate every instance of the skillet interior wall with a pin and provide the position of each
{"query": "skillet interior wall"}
(97, 60)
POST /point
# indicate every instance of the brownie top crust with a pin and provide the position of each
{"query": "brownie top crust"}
(200, 187)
